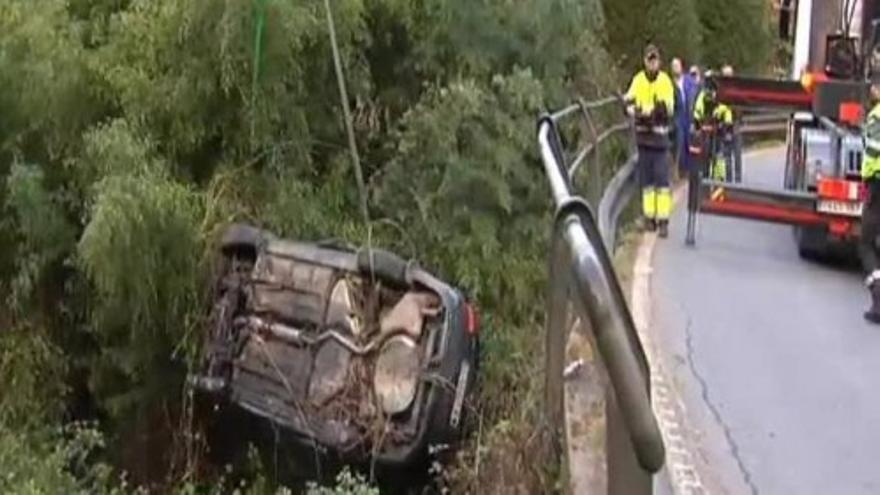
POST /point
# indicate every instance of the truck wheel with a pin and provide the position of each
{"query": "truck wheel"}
(812, 243)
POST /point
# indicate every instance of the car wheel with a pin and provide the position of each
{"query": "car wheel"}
(241, 241)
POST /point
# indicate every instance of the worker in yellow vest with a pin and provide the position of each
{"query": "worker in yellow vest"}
(715, 121)
(868, 246)
(651, 101)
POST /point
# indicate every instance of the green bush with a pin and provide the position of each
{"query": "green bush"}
(346, 484)
(708, 32)
(134, 130)
(737, 32)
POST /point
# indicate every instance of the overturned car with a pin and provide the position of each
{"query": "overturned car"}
(359, 353)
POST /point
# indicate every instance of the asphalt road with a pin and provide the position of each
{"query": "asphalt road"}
(778, 372)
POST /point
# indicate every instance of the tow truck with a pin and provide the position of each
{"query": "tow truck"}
(821, 194)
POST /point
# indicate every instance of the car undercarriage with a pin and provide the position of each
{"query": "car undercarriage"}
(356, 352)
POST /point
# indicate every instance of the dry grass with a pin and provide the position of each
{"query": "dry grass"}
(625, 256)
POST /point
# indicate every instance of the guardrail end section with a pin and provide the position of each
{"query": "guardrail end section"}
(544, 118)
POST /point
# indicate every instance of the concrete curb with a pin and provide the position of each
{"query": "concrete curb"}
(684, 475)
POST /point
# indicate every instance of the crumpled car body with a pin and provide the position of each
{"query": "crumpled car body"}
(358, 352)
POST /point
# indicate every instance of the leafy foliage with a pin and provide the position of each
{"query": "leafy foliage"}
(60, 461)
(141, 250)
(737, 32)
(45, 236)
(671, 24)
(676, 27)
(29, 367)
(346, 484)
(133, 130)
(707, 32)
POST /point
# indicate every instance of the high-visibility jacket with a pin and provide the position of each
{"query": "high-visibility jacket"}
(871, 135)
(646, 94)
(721, 113)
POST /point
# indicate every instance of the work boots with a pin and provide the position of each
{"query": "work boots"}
(873, 314)
(659, 226)
(663, 228)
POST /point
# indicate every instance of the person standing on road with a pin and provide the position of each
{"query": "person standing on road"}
(733, 146)
(687, 87)
(868, 247)
(714, 121)
(651, 101)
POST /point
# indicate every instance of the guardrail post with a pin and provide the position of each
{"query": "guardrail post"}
(577, 406)
(595, 185)
(556, 338)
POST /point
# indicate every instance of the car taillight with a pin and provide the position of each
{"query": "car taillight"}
(472, 320)
(839, 189)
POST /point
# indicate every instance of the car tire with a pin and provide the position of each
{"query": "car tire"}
(241, 241)
(385, 265)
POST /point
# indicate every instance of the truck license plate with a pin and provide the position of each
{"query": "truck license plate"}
(843, 208)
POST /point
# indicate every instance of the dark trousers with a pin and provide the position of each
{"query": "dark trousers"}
(682, 155)
(870, 228)
(653, 167)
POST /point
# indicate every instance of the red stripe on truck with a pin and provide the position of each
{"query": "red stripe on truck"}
(735, 95)
(777, 214)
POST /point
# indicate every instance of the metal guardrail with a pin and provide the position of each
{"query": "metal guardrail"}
(617, 196)
(759, 123)
(585, 293)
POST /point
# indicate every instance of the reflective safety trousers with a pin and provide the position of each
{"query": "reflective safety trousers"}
(654, 167)
(656, 203)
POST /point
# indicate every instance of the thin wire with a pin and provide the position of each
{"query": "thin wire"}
(259, 29)
(852, 15)
(349, 128)
(847, 14)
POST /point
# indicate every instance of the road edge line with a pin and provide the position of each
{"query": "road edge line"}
(667, 403)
